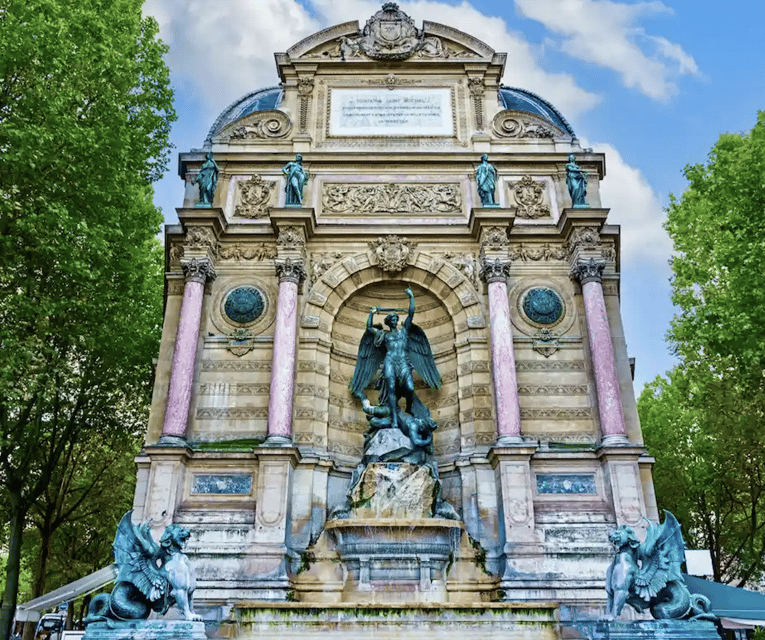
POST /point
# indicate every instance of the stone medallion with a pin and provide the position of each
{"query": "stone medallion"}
(244, 305)
(542, 306)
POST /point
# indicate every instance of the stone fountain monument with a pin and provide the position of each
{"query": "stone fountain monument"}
(455, 470)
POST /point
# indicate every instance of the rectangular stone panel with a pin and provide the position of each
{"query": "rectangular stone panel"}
(391, 112)
(566, 483)
(229, 483)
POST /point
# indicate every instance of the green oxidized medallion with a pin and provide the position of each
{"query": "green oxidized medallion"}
(244, 305)
(543, 306)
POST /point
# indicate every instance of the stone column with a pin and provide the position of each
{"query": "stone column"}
(495, 273)
(197, 272)
(291, 274)
(589, 274)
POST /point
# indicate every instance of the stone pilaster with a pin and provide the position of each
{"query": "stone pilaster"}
(197, 272)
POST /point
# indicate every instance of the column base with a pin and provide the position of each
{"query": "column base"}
(508, 440)
(167, 440)
(277, 441)
(617, 440)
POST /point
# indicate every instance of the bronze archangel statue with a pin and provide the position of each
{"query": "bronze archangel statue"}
(399, 351)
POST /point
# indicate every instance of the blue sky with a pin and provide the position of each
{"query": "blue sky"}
(651, 84)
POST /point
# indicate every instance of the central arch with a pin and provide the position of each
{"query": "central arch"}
(450, 311)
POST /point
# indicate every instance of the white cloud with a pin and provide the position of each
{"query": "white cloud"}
(637, 208)
(225, 49)
(608, 34)
(222, 50)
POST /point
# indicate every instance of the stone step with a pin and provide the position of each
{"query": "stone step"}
(510, 621)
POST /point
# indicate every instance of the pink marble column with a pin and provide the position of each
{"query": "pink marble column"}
(502, 354)
(612, 423)
(290, 274)
(197, 273)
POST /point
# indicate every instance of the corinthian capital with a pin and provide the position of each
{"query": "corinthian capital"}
(198, 270)
(588, 270)
(288, 270)
(495, 270)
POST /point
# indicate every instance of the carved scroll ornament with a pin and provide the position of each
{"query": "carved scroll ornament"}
(512, 124)
(264, 125)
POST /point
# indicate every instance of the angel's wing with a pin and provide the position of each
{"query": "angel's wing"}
(136, 554)
(421, 357)
(368, 360)
(662, 553)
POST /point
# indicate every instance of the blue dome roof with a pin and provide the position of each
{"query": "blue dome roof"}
(522, 100)
(258, 100)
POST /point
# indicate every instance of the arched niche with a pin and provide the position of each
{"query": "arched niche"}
(448, 308)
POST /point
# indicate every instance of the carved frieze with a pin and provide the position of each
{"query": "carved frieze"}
(391, 81)
(588, 270)
(238, 251)
(466, 263)
(200, 238)
(392, 253)
(494, 238)
(288, 270)
(254, 196)
(537, 252)
(264, 125)
(511, 124)
(529, 195)
(198, 270)
(496, 270)
(291, 238)
(391, 198)
(174, 254)
(321, 262)
(583, 238)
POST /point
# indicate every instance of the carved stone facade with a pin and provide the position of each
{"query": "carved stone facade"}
(390, 119)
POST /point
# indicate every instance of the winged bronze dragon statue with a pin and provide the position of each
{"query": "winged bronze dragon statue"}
(647, 575)
(151, 576)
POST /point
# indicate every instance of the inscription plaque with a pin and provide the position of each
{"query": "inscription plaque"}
(391, 112)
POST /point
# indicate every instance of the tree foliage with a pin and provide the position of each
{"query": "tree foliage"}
(85, 111)
(706, 421)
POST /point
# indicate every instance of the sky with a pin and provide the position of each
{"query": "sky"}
(650, 84)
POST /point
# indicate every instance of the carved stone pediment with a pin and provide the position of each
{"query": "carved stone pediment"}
(519, 124)
(391, 34)
(261, 125)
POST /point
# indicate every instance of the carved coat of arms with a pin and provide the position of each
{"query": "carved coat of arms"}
(392, 253)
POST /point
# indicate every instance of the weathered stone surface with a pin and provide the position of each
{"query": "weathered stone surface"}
(651, 630)
(146, 630)
(394, 490)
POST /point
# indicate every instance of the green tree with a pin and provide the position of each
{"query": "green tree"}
(85, 112)
(706, 421)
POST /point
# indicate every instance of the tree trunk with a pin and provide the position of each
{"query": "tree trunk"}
(12, 568)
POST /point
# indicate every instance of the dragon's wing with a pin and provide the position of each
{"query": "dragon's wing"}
(661, 555)
(367, 362)
(136, 554)
(421, 357)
